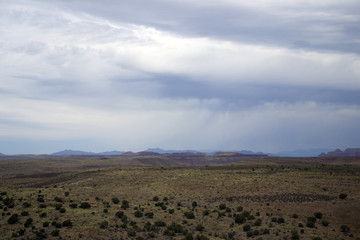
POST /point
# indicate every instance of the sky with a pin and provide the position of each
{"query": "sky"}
(261, 75)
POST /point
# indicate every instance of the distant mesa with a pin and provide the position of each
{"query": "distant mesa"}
(349, 152)
(128, 153)
(161, 151)
(187, 154)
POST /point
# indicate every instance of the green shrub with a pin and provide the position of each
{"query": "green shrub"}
(73, 205)
(239, 209)
(246, 214)
(295, 235)
(171, 211)
(231, 234)
(342, 195)
(138, 214)
(318, 215)
(311, 219)
(200, 227)
(258, 222)
(125, 204)
(222, 206)
(201, 237)
(62, 210)
(206, 212)
(165, 199)
(67, 223)
(42, 205)
(42, 215)
(159, 224)
(316, 238)
(58, 225)
(13, 219)
(103, 224)
(310, 224)
(194, 204)
(55, 233)
(46, 224)
(40, 199)
(295, 215)
(246, 227)
(28, 222)
(119, 214)
(84, 205)
(189, 215)
(156, 198)
(26, 205)
(175, 228)
(344, 228)
(239, 218)
(24, 213)
(22, 232)
(249, 234)
(281, 220)
(58, 206)
(131, 233)
(57, 199)
(188, 236)
(325, 223)
(149, 214)
(115, 200)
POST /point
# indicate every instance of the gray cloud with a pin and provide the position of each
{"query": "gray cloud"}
(180, 74)
(318, 26)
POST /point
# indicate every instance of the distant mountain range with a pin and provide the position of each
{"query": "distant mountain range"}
(76, 152)
(154, 151)
(148, 151)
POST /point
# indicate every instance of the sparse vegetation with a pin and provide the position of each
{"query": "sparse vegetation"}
(183, 208)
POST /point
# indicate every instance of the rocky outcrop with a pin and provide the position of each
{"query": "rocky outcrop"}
(349, 152)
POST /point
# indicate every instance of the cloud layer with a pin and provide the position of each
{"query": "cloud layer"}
(179, 74)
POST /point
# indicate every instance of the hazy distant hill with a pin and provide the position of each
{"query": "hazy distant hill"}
(302, 152)
(246, 152)
(161, 151)
(72, 152)
(76, 152)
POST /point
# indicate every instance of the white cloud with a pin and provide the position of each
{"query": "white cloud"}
(92, 50)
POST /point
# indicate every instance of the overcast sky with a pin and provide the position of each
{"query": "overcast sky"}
(261, 75)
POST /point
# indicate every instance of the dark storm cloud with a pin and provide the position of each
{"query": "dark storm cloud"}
(239, 96)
